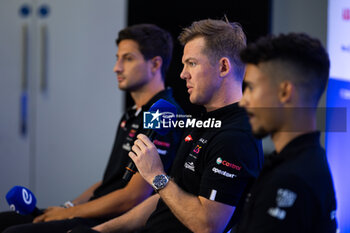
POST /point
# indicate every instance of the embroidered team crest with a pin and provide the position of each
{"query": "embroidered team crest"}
(285, 198)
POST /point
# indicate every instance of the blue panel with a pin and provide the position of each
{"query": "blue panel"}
(338, 150)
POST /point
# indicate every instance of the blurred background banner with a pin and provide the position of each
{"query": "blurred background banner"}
(338, 95)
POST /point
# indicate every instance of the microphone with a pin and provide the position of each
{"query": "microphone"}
(161, 109)
(23, 201)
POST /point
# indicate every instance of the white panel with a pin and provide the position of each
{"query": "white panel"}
(71, 124)
(78, 113)
(14, 146)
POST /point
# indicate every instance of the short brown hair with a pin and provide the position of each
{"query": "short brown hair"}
(223, 39)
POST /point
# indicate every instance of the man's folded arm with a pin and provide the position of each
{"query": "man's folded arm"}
(87, 194)
(132, 220)
(116, 202)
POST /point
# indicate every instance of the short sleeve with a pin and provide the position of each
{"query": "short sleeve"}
(231, 162)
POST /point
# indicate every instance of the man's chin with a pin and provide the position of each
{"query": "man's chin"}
(193, 100)
(124, 88)
(121, 87)
(260, 133)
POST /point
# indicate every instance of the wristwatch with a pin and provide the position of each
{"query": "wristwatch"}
(159, 182)
(68, 204)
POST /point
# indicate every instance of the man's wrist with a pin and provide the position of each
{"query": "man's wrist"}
(159, 182)
(150, 177)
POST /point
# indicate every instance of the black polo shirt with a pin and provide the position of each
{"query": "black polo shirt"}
(130, 126)
(294, 192)
(213, 163)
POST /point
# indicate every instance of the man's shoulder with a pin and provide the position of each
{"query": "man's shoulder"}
(233, 135)
(306, 161)
(308, 168)
(237, 142)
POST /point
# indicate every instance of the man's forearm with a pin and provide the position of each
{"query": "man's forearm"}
(117, 202)
(87, 194)
(196, 213)
(133, 220)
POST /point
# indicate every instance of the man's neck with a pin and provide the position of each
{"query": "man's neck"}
(296, 126)
(143, 95)
(281, 139)
(213, 107)
(224, 97)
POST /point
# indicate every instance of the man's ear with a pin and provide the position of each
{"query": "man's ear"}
(286, 91)
(156, 62)
(224, 66)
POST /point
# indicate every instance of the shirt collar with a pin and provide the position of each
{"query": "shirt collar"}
(221, 112)
(165, 94)
(291, 149)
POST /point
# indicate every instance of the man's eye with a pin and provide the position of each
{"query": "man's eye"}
(192, 63)
(247, 87)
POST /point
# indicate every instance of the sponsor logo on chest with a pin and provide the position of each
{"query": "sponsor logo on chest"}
(194, 152)
(219, 161)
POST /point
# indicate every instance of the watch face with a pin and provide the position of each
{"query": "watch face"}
(160, 181)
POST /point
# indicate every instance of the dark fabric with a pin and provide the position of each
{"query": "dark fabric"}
(82, 229)
(130, 125)
(217, 164)
(54, 226)
(86, 229)
(11, 218)
(294, 192)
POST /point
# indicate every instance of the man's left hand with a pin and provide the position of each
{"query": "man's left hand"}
(54, 213)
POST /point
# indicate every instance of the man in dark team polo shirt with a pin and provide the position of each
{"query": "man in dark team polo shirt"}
(285, 78)
(214, 165)
(144, 54)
